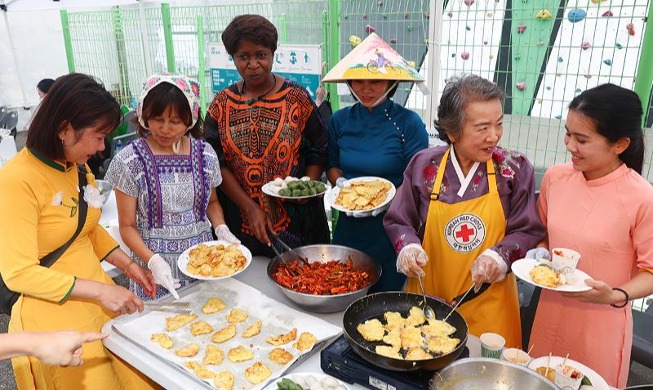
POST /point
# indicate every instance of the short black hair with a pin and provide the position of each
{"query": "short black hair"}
(252, 28)
(45, 85)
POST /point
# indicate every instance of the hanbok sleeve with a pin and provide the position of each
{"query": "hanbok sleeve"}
(642, 233)
(123, 170)
(314, 135)
(524, 229)
(334, 148)
(19, 262)
(403, 222)
(416, 137)
(103, 243)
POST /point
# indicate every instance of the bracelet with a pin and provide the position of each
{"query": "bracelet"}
(127, 267)
(627, 298)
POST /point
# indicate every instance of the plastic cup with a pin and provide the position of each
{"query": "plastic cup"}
(564, 260)
(492, 345)
(517, 356)
(568, 378)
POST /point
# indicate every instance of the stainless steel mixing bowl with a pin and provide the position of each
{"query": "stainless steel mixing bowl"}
(482, 373)
(324, 253)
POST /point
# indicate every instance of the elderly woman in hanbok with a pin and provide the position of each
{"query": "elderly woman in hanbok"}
(600, 206)
(466, 211)
(373, 137)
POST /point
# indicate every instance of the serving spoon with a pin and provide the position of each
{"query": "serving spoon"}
(428, 310)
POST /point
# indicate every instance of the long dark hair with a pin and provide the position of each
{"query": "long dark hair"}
(76, 99)
(616, 113)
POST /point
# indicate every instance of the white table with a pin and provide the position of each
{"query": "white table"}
(109, 220)
(255, 275)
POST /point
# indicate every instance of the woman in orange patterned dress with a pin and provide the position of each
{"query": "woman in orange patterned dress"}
(265, 127)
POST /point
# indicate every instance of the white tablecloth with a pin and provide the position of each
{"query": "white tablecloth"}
(255, 275)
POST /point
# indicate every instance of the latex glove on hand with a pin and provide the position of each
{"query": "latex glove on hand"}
(538, 254)
(163, 274)
(340, 182)
(222, 232)
(367, 214)
(411, 259)
(487, 269)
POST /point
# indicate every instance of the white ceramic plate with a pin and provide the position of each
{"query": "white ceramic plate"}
(267, 191)
(597, 381)
(523, 267)
(317, 375)
(182, 261)
(335, 191)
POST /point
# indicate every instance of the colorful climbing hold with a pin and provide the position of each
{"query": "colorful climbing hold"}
(410, 28)
(608, 62)
(490, 14)
(607, 14)
(560, 59)
(548, 88)
(485, 42)
(354, 40)
(521, 85)
(427, 15)
(587, 76)
(631, 29)
(597, 1)
(491, 57)
(578, 90)
(370, 29)
(576, 15)
(453, 55)
(585, 45)
(543, 14)
(468, 28)
(380, 3)
(618, 45)
(464, 55)
(559, 116)
(365, 16)
(449, 14)
(385, 16)
(539, 43)
(393, 40)
(469, 2)
(521, 29)
(517, 57)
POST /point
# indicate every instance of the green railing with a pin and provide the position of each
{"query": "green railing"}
(541, 62)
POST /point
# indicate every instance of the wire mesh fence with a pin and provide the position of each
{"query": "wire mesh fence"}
(541, 52)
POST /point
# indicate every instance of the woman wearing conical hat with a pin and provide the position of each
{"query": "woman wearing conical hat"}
(373, 137)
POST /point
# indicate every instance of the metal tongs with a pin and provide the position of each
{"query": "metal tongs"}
(172, 307)
(294, 255)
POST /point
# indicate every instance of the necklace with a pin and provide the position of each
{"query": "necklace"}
(252, 100)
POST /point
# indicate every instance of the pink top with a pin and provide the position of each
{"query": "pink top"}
(609, 221)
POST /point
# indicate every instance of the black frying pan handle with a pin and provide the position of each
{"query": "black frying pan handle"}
(471, 295)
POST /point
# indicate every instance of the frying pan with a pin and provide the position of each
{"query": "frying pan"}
(375, 305)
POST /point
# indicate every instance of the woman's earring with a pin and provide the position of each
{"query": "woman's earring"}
(176, 147)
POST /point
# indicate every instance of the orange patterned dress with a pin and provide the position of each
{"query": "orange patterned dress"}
(262, 139)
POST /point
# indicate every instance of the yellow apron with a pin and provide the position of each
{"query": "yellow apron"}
(455, 235)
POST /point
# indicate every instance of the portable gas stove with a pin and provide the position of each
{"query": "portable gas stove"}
(338, 359)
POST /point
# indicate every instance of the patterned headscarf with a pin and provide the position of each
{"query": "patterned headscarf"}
(189, 87)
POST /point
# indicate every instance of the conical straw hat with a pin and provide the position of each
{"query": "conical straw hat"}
(373, 59)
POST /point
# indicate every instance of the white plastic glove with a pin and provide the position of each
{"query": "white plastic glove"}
(486, 269)
(411, 259)
(366, 214)
(538, 254)
(340, 182)
(163, 274)
(223, 233)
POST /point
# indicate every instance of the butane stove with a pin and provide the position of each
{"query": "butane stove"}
(338, 359)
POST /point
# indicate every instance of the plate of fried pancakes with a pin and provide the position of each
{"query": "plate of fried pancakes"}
(366, 193)
(214, 260)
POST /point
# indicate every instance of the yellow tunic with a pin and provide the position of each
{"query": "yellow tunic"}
(38, 205)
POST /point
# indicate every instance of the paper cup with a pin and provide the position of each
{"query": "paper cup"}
(492, 345)
(568, 378)
(516, 356)
(564, 260)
